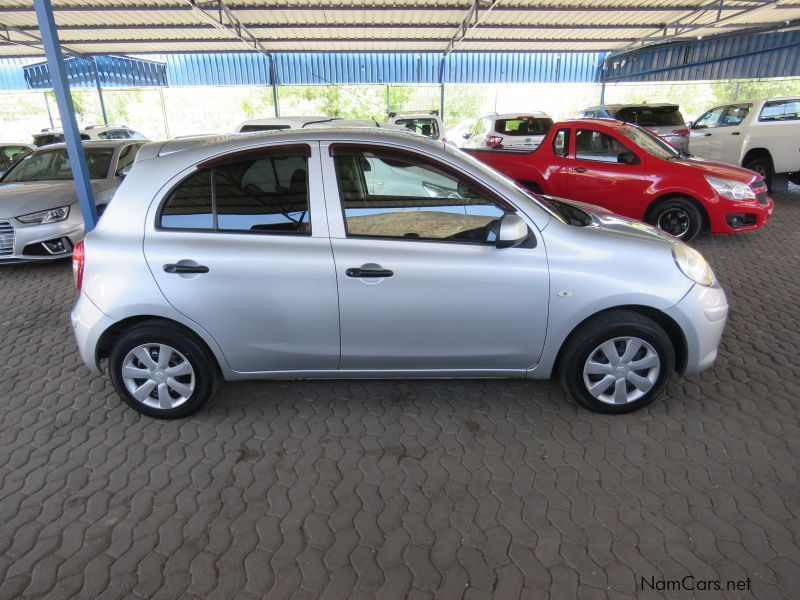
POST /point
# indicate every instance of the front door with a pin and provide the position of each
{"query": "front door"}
(422, 286)
(240, 246)
(599, 176)
(705, 137)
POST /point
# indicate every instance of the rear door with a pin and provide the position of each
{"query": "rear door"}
(597, 175)
(240, 246)
(558, 172)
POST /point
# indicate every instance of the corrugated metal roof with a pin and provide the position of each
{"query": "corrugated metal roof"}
(113, 71)
(765, 55)
(142, 26)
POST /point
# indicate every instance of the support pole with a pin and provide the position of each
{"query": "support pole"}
(72, 136)
(441, 87)
(99, 89)
(164, 111)
(49, 113)
(273, 78)
(603, 82)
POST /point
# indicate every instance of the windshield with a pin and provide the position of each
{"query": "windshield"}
(651, 116)
(53, 165)
(422, 126)
(651, 143)
(524, 125)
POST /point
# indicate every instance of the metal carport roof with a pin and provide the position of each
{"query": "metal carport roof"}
(167, 26)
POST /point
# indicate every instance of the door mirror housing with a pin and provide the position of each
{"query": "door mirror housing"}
(627, 158)
(125, 170)
(689, 124)
(512, 232)
(466, 135)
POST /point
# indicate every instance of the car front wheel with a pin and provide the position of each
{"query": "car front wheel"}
(678, 217)
(617, 362)
(161, 371)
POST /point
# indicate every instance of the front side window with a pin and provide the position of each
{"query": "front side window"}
(265, 193)
(780, 110)
(711, 118)
(735, 115)
(53, 165)
(597, 146)
(561, 143)
(389, 195)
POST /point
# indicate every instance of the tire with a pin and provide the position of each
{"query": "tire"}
(679, 217)
(186, 391)
(640, 385)
(763, 166)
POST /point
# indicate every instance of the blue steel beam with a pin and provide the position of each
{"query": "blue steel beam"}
(72, 136)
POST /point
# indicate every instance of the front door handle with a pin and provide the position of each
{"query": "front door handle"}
(580, 169)
(184, 269)
(706, 135)
(361, 273)
(736, 133)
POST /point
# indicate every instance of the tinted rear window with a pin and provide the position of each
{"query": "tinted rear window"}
(252, 128)
(651, 116)
(523, 126)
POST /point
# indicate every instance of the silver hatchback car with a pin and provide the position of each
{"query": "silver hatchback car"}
(366, 253)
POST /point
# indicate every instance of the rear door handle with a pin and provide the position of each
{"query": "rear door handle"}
(361, 273)
(580, 169)
(183, 269)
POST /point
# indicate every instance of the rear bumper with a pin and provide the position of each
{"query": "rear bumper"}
(702, 315)
(733, 217)
(88, 324)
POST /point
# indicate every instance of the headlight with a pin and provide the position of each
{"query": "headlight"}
(693, 264)
(46, 216)
(730, 189)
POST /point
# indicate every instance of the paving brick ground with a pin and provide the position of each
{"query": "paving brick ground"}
(451, 489)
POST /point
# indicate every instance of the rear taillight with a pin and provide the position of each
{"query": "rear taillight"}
(494, 141)
(78, 262)
(680, 131)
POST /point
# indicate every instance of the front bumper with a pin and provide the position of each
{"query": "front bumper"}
(89, 323)
(701, 314)
(38, 242)
(733, 217)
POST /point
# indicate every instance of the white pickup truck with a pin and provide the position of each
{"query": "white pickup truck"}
(760, 135)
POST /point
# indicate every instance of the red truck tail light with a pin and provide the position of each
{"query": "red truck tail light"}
(78, 262)
(680, 131)
(494, 141)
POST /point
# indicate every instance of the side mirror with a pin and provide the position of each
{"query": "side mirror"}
(466, 135)
(125, 170)
(627, 158)
(689, 124)
(513, 231)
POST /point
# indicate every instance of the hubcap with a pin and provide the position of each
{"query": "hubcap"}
(621, 370)
(158, 376)
(674, 221)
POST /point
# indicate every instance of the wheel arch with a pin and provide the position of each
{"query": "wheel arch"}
(753, 153)
(113, 332)
(648, 213)
(667, 323)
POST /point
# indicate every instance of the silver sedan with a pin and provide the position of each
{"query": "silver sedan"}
(366, 253)
(39, 214)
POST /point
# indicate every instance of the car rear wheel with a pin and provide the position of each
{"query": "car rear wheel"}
(161, 371)
(763, 166)
(617, 363)
(678, 217)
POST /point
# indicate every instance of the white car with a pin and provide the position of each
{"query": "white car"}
(91, 133)
(512, 130)
(427, 123)
(760, 135)
(281, 123)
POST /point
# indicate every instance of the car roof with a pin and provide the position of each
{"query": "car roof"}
(92, 144)
(234, 141)
(612, 123)
(514, 115)
(283, 120)
(636, 105)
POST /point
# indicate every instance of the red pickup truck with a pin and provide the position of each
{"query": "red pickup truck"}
(632, 172)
